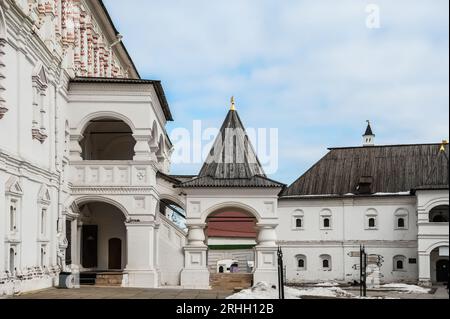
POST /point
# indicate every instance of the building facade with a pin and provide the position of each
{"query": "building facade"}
(85, 182)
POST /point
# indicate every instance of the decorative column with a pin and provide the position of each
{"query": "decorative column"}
(141, 270)
(142, 148)
(266, 263)
(424, 269)
(195, 274)
(3, 108)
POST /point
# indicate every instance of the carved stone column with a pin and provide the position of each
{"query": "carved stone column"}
(195, 274)
(266, 263)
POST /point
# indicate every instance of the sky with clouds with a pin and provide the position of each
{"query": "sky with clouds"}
(312, 69)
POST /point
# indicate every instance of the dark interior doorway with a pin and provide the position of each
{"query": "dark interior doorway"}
(115, 254)
(442, 271)
(90, 246)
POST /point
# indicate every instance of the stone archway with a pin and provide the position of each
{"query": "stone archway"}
(196, 273)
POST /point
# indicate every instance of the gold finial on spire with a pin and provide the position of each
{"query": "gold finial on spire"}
(233, 104)
(443, 145)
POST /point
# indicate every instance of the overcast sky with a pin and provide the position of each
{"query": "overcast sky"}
(312, 69)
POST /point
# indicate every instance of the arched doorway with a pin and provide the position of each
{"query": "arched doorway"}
(103, 237)
(231, 236)
(107, 139)
(439, 261)
(115, 254)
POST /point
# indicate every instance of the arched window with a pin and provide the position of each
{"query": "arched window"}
(439, 214)
(326, 262)
(326, 222)
(371, 219)
(301, 262)
(298, 220)
(108, 139)
(399, 263)
(401, 219)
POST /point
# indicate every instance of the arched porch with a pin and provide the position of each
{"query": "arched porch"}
(244, 241)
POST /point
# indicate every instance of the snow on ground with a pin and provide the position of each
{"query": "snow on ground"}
(409, 289)
(265, 291)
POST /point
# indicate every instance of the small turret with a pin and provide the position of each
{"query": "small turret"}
(368, 137)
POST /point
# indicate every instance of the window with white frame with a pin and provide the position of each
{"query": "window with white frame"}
(13, 216)
(43, 221)
(371, 219)
(325, 261)
(44, 201)
(301, 262)
(12, 260)
(400, 263)
(298, 221)
(43, 256)
(401, 219)
(326, 221)
(40, 85)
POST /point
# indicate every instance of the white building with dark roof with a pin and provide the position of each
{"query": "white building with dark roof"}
(85, 184)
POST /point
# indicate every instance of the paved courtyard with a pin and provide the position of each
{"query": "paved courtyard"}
(177, 293)
(124, 293)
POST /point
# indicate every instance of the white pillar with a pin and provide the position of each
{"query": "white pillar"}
(266, 263)
(195, 274)
(425, 270)
(141, 268)
(75, 148)
(142, 148)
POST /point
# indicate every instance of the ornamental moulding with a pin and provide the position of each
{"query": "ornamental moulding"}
(112, 190)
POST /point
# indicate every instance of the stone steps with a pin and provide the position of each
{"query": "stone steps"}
(231, 281)
(109, 279)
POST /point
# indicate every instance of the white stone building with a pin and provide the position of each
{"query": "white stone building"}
(85, 183)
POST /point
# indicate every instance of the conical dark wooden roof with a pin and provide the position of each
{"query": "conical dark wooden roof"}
(232, 161)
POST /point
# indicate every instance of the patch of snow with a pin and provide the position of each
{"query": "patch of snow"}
(265, 291)
(409, 289)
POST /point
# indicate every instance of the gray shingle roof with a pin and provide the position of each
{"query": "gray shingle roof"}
(388, 169)
(232, 161)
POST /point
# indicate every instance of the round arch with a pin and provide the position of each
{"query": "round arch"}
(436, 202)
(436, 245)
(94, 198)
(220, 206)
(84, 123)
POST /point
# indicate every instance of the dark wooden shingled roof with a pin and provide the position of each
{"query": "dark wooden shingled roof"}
(232, 161)
(388, 169)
